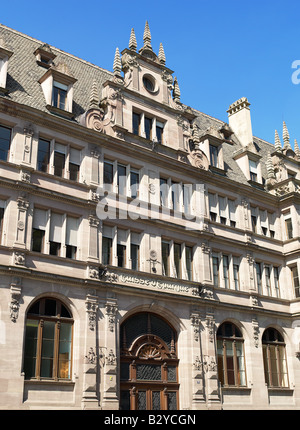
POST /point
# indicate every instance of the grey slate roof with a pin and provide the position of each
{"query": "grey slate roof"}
(24, 88)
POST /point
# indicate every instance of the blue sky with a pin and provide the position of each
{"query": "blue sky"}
(219, 50)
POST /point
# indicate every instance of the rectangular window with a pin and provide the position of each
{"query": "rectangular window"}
(189, 262)
(175, 192)
(121, 247)
(59, 160)
(108, 175)
(136, 123)
(289, 228)
(107, 236)
(258, 277)
(71, 237)
(177, 259)
(165, 248)
(232, 211)
(121, 179)
(159, 131)
(43, 155)
(5, 138)
(55, 233)
(164, 190)
(253, 220)
(276, 281)
(134, 251)
(134, 183)
(253, 170)
(226, 270)
(38, 229)
(59, 96)
(222, 210)
(215, 261)
(148, 128)
(268, 279)
(295, 278)
(212, 200)
(214, 151)
(74, 164)
(236, 276)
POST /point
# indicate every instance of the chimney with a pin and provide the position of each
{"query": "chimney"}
(240, 121)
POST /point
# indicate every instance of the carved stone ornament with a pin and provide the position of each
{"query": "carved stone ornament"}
(210, 325)
(111, 311)
(111, 358)
(15, 292)
(90, 358)
(91, 305)
(198, 159)
(197, 363)
(94, 272)
(255, 332)
(96, 121)
(195, 322)
(19, 258)
(209, 364)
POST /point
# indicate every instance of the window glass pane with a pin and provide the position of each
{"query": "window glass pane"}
(165, 257)
(74, 172)
(5, 136)
(141, 401)
(43, 155)
(172, 373)
(108, 174)
(47, 349)
(148, 372)
(122, 179)
(106, 250)
(64, 355)
(134, 256)
(125, 400)
(156, 400)
(30, 348)
(134, 184)
(50, 307)
(148, 128)
(59, 164)
(177, 259)
(37, 240)
(172, 401)
(188, 262)
(136, 123)
(121, 253)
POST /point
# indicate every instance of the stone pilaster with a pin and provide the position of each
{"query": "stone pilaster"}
(210, 362)
(22, 211)
(110, 400)
(197, 369)
(91, 359)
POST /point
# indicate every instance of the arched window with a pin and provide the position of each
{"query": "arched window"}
(230, 351)
(48, 340)
(148, 373)
(274, 358)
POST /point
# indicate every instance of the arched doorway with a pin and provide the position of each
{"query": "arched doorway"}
(149, 364)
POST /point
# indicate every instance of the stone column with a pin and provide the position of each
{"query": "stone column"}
(110, 400)
(91, 359)
(197, 369)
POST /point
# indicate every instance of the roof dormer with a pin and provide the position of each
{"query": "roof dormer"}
(5, 55)
(57, 84)
(44, 56)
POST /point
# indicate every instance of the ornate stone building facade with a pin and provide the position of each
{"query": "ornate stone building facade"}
(149, 252)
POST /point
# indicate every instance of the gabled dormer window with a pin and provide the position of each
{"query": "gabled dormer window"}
(4, 57)
(44, 56)
(57, 84)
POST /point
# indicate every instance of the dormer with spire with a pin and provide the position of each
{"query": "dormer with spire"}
(142, 97)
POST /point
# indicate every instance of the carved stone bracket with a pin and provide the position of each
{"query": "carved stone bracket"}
(195, 322)
(111, 311)
(15, 293)
(91, 305)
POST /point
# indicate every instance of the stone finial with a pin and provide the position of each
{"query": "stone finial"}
(94, 96)
(176, 91)
(117, 63)
(277, 142)
(286, 137)
(147, 36)
(132, 41)
(296, 149)
(270, 167)
(161, 54)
